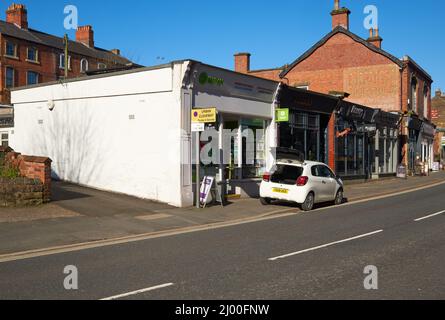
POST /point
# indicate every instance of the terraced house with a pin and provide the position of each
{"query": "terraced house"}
(362, 72)
(29, 56)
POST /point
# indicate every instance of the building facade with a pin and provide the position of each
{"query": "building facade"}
(438, 111)
(28, 56)
(360, 71)
(130, 131)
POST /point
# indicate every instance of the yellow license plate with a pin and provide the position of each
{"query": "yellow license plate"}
(278, 190)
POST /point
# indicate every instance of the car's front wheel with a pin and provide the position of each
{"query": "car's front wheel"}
(308, 204)
(265, 201)
(339, 197)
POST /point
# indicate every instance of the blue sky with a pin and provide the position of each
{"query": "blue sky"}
(275, 32)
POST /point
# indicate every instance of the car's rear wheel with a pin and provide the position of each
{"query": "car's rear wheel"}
(339, 197)
(265, 201)
(308, 204)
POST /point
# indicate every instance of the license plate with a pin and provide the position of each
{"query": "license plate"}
(278, 190)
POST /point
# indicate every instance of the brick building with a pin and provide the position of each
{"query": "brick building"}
(438, 110)
(29, 56)
(346, 65)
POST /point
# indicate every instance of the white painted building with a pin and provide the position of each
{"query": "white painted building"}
(129, 132)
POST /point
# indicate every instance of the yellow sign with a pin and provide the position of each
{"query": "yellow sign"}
(204, 115)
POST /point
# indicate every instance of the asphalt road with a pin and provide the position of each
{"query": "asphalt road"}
(317, 255)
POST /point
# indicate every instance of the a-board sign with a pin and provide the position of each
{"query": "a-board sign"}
(401, 172)
(206, 187)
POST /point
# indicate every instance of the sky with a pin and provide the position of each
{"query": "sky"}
(151, 32)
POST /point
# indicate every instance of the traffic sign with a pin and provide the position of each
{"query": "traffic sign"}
(204, 115)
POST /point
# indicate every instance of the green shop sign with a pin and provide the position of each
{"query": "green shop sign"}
(204, 78)
(282, 115)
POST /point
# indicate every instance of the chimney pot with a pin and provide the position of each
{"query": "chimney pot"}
(18, 15)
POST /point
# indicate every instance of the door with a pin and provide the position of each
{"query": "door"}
(320, 184)
(328, 182)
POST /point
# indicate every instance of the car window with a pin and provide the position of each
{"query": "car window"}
(325, 172)
(286, 174)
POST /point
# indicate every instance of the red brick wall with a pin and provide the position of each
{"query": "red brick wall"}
(33, 168)
(47, 67)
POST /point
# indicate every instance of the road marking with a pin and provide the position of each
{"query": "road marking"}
(430, 216)
(278, 214)
(132, 293)
(325, 245)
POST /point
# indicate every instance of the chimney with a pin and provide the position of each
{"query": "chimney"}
(17, 14)
(374, 38)
(242, 62)
(340, 16)
(116, 52)
(438, 93)
(85, 35)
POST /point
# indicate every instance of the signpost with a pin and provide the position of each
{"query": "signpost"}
(199, 118)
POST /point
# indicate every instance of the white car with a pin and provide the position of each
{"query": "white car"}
(305, 183)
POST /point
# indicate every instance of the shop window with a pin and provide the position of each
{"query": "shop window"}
(253, 148)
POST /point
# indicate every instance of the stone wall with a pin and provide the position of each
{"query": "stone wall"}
(21, 192)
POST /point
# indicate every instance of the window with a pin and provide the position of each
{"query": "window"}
(32, 78)
(10, 76)
(425, 102)
(11, 49)
(33, 55)
(414, 95)
(62, 61)
(101, 66)
(286, 174)
(84, 65)
(4, 139)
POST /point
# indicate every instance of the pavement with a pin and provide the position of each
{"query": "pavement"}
(316, 255)
(81, 215)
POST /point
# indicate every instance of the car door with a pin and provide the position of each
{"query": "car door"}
(329, 182)
(320, 185)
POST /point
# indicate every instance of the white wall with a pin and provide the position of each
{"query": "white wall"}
(91, 139)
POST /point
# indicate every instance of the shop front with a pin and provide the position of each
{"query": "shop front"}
(366, 142)
(238, 147)
(420, 142)
(305, 134)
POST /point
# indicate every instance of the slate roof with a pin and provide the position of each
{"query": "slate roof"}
(342, 30)
(42, 38)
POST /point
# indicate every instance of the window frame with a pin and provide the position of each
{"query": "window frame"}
(15, 56)
(6, 77)
(37, 58)
(4, 140)
(37, 77)
(62, 61)
(82, 69)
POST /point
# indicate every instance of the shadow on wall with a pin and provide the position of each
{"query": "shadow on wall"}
(67, 136)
